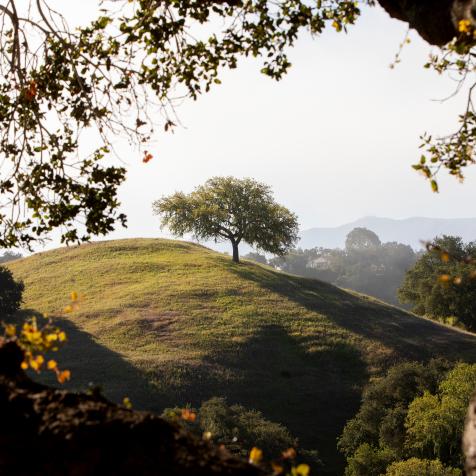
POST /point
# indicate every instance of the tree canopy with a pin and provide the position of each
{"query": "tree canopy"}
(124, 73)
(442, 283)
(11, 293)
(410, 420)
(361, 239)
(227, 208)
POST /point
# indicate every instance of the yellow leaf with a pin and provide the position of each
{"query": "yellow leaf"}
(444, 278)
(62, 336)
(207, 435)
(52, 365)
(34, 365)
(24, 365)
(74, 296)
(301, 470)
(10, 330)
(445, 257)
(464, 26)
(256, 455)
(68, 309)
(127, 402)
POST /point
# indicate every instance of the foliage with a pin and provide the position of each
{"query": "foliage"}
(435, 421)
(237, 427)
(11, 293)
(442, 283)
(366, 265)
(137, 58)
(361, 239)
(36, 341)
(111, 76)
(368, 461)
(256, 257)
(454, 151)
(381, 417)
(227, 208)
(169, 322)
(416, 411)
(420, 467)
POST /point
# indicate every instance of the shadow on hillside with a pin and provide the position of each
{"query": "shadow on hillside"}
(92, 364)
(405, 334)
(312, 394)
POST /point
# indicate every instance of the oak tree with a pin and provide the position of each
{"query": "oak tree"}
(124, 73)
(227, 208)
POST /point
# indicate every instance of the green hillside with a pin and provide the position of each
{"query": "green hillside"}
(169, 323)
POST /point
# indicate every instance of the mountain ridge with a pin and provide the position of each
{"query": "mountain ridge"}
(413, 231)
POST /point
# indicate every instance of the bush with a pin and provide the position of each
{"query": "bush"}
(421, 467)
(241, 429)
(369, 461)
(435, 422)
(11, 293)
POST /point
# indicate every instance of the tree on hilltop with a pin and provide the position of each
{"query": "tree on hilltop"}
(134, 62)
(227, 208)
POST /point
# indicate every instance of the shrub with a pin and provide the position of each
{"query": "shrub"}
(11, 293)
(421, 467)
(240, 429)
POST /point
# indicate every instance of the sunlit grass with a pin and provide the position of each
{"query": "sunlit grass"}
(166, 322)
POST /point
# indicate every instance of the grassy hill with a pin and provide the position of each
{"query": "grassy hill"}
(167, 322)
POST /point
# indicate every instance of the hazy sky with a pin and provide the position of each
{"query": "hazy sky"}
(335, 139)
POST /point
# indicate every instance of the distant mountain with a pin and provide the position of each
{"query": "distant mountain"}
(410, 231)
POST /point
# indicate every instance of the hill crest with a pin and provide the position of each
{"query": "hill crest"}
(169, 323)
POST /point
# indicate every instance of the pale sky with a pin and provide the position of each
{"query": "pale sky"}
(335, 139)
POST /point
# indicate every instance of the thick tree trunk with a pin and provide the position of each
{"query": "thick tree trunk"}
(236, 253)
(435, 20)
(52, 432)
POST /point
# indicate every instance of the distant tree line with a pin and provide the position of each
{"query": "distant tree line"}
(365, 264)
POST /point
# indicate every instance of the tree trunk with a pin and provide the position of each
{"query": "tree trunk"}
(435, 21)
(236, 253)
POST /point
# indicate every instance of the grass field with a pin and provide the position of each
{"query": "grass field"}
(169, 323)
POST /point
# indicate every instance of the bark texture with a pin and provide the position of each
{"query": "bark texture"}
(469, 439)
(435, 20)
(45, 431)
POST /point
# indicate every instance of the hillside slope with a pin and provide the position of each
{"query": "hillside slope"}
(167, 322)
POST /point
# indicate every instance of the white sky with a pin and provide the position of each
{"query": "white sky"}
(335, 139)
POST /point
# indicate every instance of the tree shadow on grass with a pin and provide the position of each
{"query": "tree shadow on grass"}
(406, 335)
(92, 364)
(312, 394)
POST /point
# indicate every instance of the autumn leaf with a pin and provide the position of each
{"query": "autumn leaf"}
(256, 455)
(188, 415)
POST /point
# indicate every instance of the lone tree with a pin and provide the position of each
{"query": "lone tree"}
(227, 208)
(111, 75)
